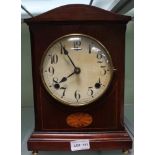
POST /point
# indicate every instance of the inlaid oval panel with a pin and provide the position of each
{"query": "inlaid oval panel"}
(79, 120)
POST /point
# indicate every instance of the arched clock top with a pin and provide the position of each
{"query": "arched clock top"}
(82, 13)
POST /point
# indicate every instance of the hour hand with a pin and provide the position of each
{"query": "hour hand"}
(65, 78)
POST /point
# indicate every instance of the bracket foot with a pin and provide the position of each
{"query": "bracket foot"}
(34, 152)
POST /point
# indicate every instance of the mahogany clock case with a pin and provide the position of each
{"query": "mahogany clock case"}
(108, 111)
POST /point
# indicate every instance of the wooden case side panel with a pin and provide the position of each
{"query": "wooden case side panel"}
(35, 75)
(121, 75)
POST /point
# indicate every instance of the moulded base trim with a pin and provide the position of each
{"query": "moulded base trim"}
(49, 141)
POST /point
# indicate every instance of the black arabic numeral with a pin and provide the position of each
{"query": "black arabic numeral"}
(99, 56)
(54, 59)
(61, 49)
(51, 70)
(77, 95)
(98, 84)
(90, 48)
(77, 45)
(56, 83)
(103, 67)
(64, 91)
(90, 91)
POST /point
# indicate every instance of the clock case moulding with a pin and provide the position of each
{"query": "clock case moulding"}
(107, 130)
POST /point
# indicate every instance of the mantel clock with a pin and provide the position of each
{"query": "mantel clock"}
(78, 79)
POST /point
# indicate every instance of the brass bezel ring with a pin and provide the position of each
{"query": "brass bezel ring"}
(44, 55)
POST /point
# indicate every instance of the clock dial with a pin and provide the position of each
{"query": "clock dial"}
(76, 69)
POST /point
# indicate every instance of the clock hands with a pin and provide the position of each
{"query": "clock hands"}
(76, 69)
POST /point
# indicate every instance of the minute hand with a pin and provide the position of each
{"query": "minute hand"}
(66, 53)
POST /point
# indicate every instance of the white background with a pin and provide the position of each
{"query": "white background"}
(10, 77)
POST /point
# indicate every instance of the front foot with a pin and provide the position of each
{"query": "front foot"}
(34, 152)
(125, 151)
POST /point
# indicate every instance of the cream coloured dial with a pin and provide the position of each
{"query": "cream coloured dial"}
(76, 69)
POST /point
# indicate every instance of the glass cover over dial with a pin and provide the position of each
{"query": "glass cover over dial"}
(76, 69)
